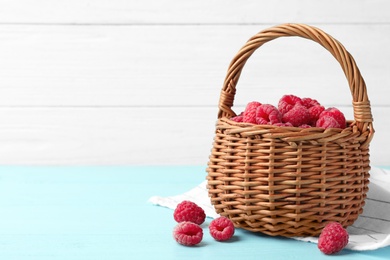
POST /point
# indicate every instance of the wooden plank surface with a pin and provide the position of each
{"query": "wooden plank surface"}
(193, 12)
(138, 82)
(177, 65)
(139, 136)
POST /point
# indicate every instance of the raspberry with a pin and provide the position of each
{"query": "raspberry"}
(333, 238)
(267, 114)
(249, 115)
(221, 229)
(336, 114)
(284, 124)
(315, 112)
(287, 102)
(298, 115)
(187, 233)
(327, 122)
(189, 211)
(331, 118)
(309, 102)
(238, 119)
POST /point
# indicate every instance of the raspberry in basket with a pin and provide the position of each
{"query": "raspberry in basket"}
(331, 118)
(333, 238)
(238, 119)
(189, 211)
(187, 233)
(287, 102)
(315, 112)
(268, 114)
(249, 115)
(284, 124)
(221, 229)
(298, 115)
(309, 102)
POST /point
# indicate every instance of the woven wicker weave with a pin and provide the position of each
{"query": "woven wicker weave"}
(287, 181)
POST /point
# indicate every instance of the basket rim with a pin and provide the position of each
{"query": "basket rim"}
(292, 135)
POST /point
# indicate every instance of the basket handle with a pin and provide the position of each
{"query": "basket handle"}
(361, 104)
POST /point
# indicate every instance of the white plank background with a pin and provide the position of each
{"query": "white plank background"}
(137, 82)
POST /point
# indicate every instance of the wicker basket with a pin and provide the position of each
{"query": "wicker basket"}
(288, 181)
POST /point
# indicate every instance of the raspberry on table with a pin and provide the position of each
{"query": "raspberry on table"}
(333, 238)
(221, 229)
(331, 118)
(249, 114)
(298, 115)
(287, 102)
(268, 114)
(188, 233)
(189, 211)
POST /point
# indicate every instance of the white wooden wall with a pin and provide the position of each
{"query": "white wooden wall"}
(138, 82)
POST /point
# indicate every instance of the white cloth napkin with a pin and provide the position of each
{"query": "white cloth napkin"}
(370, 231)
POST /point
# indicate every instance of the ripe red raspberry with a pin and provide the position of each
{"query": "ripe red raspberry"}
(221, 229)
(287, 102)
(336, 114)
(304, 126)
(315, 112)
(309, 102)
(238, 119)
(268, 114)
(327, 122)
(284, 124)
(187, 233)
(298, 115)
(189, 211)
(333, 238)
(249, 115)
(331, 118)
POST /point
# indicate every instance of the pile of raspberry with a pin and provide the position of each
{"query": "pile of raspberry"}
(292, 111)
(188, 231)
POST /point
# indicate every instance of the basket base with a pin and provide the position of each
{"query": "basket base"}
(288, 231)
(288, 223)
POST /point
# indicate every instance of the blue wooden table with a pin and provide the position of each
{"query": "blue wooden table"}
(102, 213)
